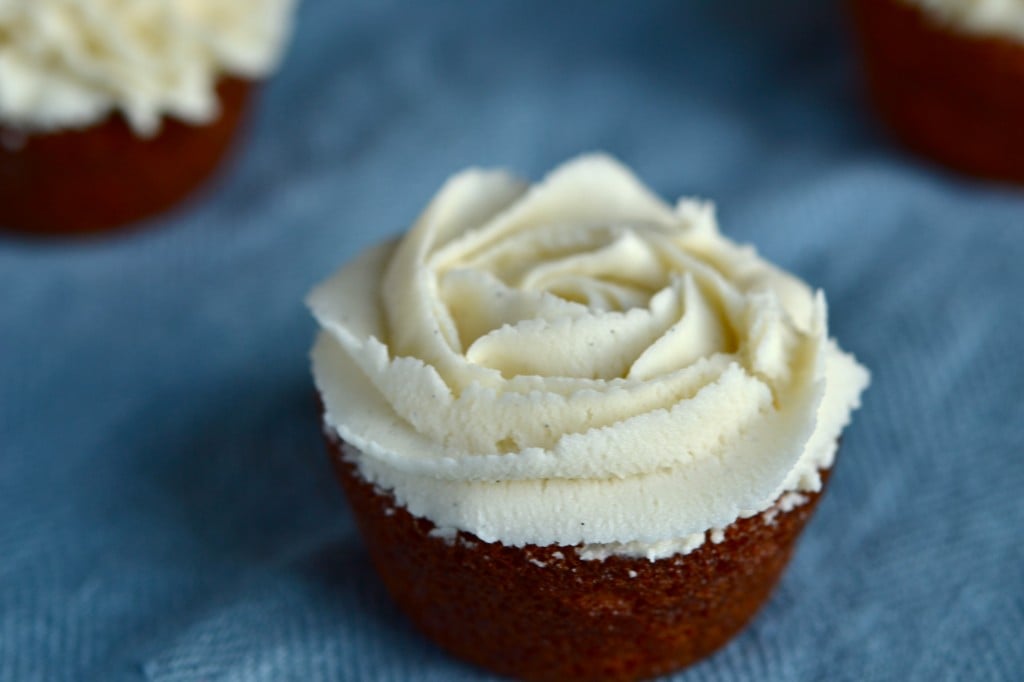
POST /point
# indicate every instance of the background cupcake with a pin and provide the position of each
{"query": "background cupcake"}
(114, 110)
(948, 77)
(578, 426)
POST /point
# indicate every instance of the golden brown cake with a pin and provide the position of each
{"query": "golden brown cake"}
(948, 79)
(580, 430)
(542, 613)
(106, 176)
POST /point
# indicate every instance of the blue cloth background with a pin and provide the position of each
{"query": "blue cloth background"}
(166, 508)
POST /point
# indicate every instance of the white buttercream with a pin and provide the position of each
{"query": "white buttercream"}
(71, 63)
(991, 17)
(578, 363)
(652, 551)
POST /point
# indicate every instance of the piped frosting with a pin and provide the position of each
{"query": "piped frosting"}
(578, 363)
(71, 63)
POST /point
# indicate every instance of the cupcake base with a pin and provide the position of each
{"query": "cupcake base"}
(106, 176)
(950, 95)
(543, 613)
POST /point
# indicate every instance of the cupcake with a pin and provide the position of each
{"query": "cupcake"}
(947, 76)
(579, 429)
(112, 111)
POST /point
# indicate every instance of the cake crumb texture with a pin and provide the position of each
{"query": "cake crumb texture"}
(541, 613)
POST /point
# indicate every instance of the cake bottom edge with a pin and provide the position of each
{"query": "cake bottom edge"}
(546, 613)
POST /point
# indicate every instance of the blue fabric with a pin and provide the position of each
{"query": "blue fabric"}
(166, 508)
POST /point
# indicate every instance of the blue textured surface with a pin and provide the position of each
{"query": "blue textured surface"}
(166, 509)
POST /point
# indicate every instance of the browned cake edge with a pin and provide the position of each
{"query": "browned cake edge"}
(543, 613)
(949, 95)
(107, 176)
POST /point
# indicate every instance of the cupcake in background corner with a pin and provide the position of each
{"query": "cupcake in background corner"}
(947, 76)
(112, 111)
(579, 428)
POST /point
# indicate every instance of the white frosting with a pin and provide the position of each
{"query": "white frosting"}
(662, 549)
(992, 17)
(652, 551)
(70, 63)
(578, 362)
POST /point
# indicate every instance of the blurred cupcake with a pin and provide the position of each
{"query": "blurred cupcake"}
(112, 111)
(948, 77)
(580, 430)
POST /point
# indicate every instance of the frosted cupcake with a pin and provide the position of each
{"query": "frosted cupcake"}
(947, 76)
(580, 430)
(112, 111)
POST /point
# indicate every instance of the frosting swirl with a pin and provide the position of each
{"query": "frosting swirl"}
(578, 362)
(992, 17)
(70, 63)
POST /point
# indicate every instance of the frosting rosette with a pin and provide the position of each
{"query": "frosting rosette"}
(578, 362)
(70, 63)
